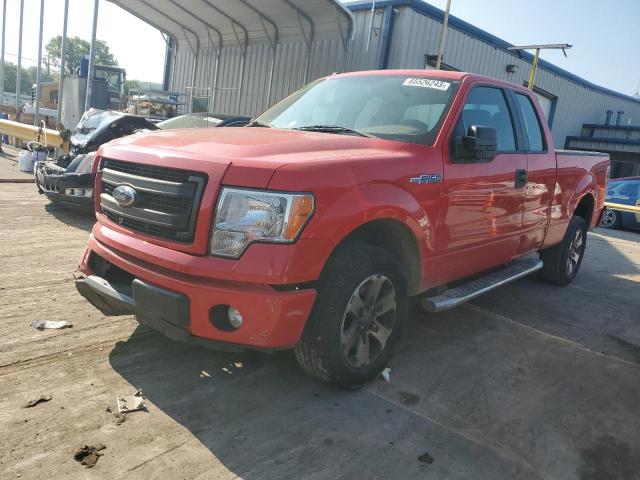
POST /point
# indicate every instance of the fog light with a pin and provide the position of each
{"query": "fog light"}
(79, 192)
(235, 317)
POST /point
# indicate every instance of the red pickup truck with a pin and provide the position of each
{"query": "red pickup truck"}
(312, 227)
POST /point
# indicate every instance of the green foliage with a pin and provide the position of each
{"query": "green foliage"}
(129, 84)
(75, 49)
(27, 78)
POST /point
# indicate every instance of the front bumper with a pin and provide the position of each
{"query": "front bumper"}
(180, 306)
(55, 183)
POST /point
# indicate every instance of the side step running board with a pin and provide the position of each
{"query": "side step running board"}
(468, 291)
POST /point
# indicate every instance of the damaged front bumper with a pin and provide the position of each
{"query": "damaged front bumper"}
(163, 310)
(189, 308)
(70, 189)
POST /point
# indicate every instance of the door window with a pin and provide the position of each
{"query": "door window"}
(487, 106)
(531, 123)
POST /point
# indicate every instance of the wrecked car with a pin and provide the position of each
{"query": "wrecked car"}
(68, 181)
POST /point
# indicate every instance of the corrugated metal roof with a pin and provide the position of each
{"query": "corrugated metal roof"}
(244, 22)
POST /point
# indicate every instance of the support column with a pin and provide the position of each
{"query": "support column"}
(92, 52)
(63, 65)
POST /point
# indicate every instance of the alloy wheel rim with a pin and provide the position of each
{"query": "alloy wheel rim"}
(575, 252)
(368, 320)
(608, 218)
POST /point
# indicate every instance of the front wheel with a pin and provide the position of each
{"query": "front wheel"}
(357, 319)
(562, 261)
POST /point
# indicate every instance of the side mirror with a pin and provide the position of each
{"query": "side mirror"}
(480, 144)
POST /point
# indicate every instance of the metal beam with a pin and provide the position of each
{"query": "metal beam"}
(36, 116)
(443, 35)
(145, 20)
(234, 23)
(243, 46)
(199, 19)
(92, 52)
(63, 65)
(264, 18)
(46, 136)
(340, 8)
(161, 13)
(19, 68)
(4, 28)
(309, 41)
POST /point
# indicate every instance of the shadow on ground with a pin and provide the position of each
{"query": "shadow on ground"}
(531, 381)
(264, 419)
(70, 216)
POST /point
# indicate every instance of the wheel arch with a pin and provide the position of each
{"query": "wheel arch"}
(394, 236)
(585, 208)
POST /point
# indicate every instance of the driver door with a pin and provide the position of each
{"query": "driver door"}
(483, 199)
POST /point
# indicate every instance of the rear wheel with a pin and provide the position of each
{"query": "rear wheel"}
(610, 219)
(357, 319)
(562, 261)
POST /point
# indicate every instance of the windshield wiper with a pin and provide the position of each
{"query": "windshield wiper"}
(258, 123)
(332, 129)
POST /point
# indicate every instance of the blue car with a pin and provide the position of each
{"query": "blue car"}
(627, 192)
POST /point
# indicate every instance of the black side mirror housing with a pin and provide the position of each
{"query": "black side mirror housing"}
(479, 144)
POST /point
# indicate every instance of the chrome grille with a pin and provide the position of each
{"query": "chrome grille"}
(167, 199)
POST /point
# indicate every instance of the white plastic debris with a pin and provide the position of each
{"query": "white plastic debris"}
(131, 403)
(42, 324)
(386, 375)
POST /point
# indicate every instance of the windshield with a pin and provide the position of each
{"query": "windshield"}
(393, 107)
(190, 121)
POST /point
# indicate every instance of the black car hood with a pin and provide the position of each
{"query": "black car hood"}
(97, 127)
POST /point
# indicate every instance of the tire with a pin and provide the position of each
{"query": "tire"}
(611, 219)
(346, 327)
(562, 262)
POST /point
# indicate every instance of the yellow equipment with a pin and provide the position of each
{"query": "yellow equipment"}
(45, 136)
(622, 208)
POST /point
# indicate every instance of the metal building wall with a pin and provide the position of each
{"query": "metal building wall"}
(416, 35)
(288, 72)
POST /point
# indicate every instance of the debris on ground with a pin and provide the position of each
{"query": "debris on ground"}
(408, 398)
(426, 458)
(386, 375)
(36, 401)
(131, 403)
(42, 324)
(88, 455)
(120, 418)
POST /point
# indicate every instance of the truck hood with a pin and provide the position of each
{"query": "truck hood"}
(270, 146)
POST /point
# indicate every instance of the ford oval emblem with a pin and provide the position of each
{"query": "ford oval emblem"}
(124, 195)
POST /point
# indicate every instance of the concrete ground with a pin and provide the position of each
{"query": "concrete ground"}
(9, 172)
(530, 382)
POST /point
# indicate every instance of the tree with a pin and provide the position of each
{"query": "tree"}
(75, 49)
(27, 78)
(129, 84)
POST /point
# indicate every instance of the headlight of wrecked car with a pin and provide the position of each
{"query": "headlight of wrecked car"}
(246, 216)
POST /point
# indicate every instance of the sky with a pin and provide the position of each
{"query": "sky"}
(605, 35)
(136, 46)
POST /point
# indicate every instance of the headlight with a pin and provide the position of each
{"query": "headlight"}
(246, 216)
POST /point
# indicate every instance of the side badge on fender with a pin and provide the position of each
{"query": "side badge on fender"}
(426, 178)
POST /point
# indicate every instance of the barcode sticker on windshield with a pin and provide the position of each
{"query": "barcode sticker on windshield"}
(427, 83)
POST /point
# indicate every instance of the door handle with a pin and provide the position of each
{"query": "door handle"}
(521, 178)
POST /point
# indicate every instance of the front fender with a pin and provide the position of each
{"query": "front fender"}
(378, 201)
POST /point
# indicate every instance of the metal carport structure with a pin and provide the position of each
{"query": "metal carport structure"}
(205, 30)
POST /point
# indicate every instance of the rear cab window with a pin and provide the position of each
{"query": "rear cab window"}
(531, 126)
